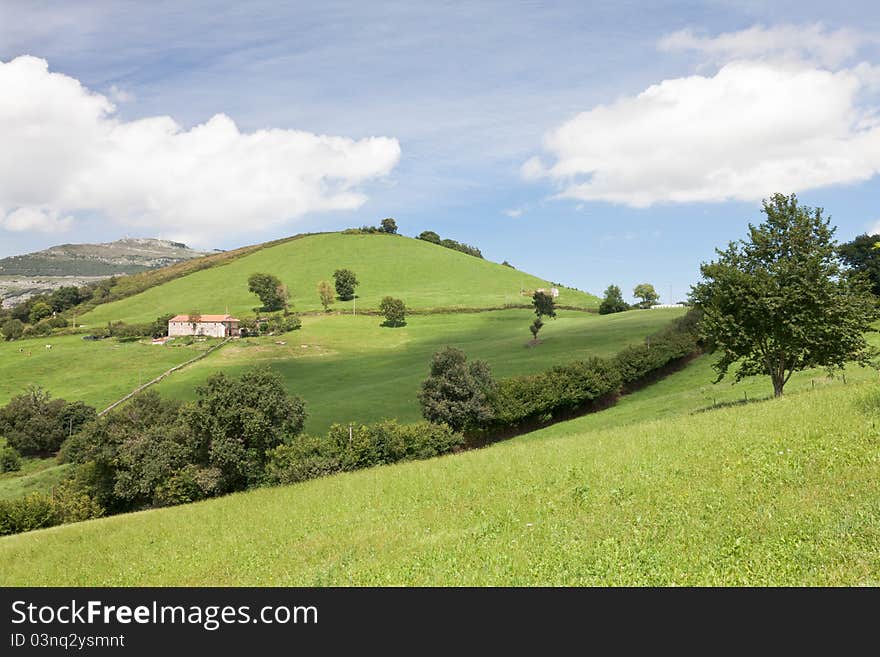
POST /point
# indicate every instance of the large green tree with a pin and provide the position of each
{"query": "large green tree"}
(863, 255)
(457, 392)
(35, 424)
(389, 226)
(346, 282)
(613, 301)
(271, 291)
(647, 294)
(779, 301)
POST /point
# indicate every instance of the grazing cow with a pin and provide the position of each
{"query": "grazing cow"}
(48, 346)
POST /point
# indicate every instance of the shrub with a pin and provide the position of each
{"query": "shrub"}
(352, 447)
(26, 513)
(563, 388)
(394, 311)
(13, 329)
(10, 460)
(456, 392)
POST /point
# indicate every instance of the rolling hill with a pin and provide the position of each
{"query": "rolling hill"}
(780, 492)
(426, 276)
(124, 256)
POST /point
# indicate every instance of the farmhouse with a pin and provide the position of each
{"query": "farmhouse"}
(215, 326)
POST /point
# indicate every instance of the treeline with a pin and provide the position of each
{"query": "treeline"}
(434, 238)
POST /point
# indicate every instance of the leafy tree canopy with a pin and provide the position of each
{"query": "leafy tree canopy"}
(779, 301)
(647, 293)
(613, 301)
(271, 291)
(346, 282)
(457, 392)
(863, 255)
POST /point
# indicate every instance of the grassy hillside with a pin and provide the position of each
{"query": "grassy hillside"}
(778, 492)
(425, 275)
(351, 368)
(97, 373)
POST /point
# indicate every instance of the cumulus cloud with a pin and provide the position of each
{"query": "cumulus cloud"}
(35, 219)
(754, 127)
(64, 151)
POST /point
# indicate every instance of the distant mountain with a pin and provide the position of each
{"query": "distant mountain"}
(126, 256)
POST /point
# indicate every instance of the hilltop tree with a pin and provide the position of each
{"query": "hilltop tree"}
(780, 302)
(613, 301)
(647, 293)
(271, 291)
(457, 392)
(325, 292)
(346, 282)
(394, 311)
(388, 226)
(863, 255)
(429, 236)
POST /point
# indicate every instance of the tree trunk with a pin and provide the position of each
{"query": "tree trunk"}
(778, 384)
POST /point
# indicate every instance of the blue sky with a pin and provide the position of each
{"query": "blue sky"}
(523, 128)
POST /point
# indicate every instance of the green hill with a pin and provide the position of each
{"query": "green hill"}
(782, 492)
(424, 275)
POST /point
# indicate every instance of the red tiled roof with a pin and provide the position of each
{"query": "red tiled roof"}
(205, 318)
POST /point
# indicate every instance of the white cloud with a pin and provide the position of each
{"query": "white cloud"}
(513, 213)
(118, 95)
(754, 127)
(64, 151)
(35, 219)
(811, 42)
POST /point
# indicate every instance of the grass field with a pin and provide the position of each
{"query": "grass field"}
(97, 373)
(782, 492)
(422, 274)
(352, 369)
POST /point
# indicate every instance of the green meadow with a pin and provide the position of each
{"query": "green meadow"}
(424, 275)
(353, 369)
(97, 372)
(778, 492)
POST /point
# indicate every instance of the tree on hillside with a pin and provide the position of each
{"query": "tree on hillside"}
(388, 226)
(271, 291)
(457, 392)
(39, 310)
(429, 236)
(544, 307)
(13, 329)
(35, 424)
(779, 301)
(64, 297)
(325, 292)
(394, 311)
(613, 301)
(346, 282)
(536, 326)
(863, 255)
(647, 293)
